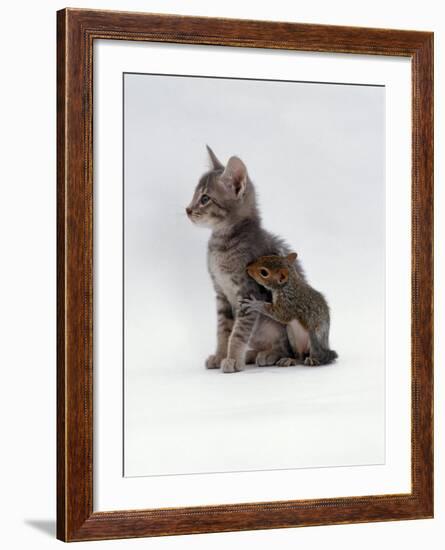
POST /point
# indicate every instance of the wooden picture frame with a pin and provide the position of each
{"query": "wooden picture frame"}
(76, 32)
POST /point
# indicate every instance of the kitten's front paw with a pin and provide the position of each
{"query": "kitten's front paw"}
(250, 305)
(231, 365)
(213, 362)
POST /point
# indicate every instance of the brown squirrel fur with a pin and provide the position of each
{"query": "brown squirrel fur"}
(295, 304)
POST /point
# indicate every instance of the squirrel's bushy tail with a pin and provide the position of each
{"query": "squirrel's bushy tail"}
(328, 356)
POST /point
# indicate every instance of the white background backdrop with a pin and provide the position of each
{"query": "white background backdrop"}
(113, 492)
(28, 214)
(315, 153)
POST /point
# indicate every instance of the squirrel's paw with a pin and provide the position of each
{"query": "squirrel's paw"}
(286, 362)
(213, 362)
(231, 365)
(250, 305)
(311, 362)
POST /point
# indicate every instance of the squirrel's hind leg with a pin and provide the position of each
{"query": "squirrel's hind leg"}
(320, 354)
(298, 339)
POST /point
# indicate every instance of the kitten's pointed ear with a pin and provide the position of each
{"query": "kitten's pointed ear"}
(215, 162)
(235, 176)
(291, 258)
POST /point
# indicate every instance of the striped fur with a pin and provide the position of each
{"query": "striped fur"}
(225, 201)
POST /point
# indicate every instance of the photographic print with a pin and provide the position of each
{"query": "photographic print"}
(245, 282)
(254, 274)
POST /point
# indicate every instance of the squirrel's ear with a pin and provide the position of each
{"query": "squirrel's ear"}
(234, 176)
(217, 165)
(291, 258)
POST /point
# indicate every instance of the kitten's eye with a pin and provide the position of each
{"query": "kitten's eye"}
(264, 273)
(204, 199)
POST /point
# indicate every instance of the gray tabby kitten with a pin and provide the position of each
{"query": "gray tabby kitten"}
(225, 201)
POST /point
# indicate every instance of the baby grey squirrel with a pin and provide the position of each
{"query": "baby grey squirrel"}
(295, 304)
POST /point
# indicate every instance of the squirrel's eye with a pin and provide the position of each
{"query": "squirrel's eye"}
(205, 199)
(264, 273)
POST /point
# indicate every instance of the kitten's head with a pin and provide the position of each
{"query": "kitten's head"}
(223, 196)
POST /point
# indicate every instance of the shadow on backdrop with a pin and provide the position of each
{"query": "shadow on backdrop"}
(47, 526)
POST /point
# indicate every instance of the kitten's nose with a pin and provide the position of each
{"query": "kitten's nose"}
(188, 210)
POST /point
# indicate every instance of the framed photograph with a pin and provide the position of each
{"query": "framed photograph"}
(245, 229)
